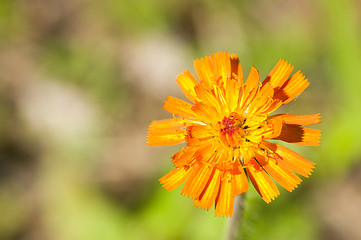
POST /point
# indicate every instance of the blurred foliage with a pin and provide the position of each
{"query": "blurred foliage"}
(282, 221)
(10, 22)
(136, 16)
(66, 188)
(95, 74)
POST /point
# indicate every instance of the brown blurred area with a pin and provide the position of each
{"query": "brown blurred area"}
(80, 81)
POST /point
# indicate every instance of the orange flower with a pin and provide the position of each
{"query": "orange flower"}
(225, 129)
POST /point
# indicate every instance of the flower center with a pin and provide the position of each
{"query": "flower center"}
(231, 131)
(229, 127)
(237, 131)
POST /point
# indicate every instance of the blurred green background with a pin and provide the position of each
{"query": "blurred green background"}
(80, 80)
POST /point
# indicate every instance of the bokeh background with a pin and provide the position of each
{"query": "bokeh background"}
(80, 80)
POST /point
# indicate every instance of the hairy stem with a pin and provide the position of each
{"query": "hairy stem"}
(236, 222)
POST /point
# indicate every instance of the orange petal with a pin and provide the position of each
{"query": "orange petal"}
(262, 182)
(200, 132)
(187, 83)
(174, 178)
(204, 69)
(205, 112)
(232, 92)
(206, 96)
(276, 103)
(221, 101)
(207, 152)
(167, 132)
(300, 135)
(179, 107)
(225, 199)
(240, 181)
(197, 180)
(276, 125)
(262, 100)
(183, 157)
(250, 88)
(292, 88)
(291, 159)
(236, 68)
(301, 120)
(279, 172)
(279, 74)
(210, 192)
(221, 65)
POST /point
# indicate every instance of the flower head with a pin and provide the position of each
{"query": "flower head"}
(226, 127)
